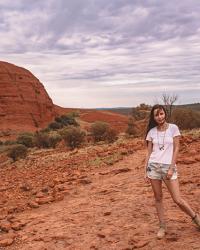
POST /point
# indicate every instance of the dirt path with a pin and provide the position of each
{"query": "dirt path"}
(114, 211)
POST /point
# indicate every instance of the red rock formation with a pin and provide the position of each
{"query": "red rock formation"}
(26, 106)
(24, 102)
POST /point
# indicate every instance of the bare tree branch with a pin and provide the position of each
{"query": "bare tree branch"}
(169, 101)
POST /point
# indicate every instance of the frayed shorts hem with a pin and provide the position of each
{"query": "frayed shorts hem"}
(175, 178)
(158, 171)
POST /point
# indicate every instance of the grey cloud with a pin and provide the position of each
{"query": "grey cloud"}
(120, 21)
(109, 44)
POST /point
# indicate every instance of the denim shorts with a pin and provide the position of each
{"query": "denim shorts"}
(159, 170)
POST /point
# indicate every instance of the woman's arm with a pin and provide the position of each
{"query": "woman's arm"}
(176, 144)
(149, 151)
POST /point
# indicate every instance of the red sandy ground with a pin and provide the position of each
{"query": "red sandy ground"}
(94, 198)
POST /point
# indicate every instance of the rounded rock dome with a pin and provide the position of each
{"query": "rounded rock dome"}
(24, 102)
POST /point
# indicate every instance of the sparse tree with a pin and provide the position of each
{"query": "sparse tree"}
(169, 101)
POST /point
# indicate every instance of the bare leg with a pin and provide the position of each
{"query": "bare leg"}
(173, 187)
(157, 189)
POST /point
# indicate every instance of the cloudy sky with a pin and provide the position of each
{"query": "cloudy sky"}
(100, 53)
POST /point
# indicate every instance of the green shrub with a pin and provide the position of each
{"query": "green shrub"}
(44, 130)
(26, 139)
(101, 131)
(55, 125)
(47, 140)
(54, 139)
(67, 120)
(75, 113)
(98, 130)
(17, 151)
(73, 136)
(58, 119)
(10, 142)
(41, 140)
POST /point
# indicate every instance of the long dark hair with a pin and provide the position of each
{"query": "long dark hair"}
(152, 123)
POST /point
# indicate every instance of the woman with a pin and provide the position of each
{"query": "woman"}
(162, 149)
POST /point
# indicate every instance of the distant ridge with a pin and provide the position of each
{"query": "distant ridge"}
(193, 106)
(128, 110)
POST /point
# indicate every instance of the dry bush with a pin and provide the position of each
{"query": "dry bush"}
(41, 140)
(55, 125)
(141, 112)
(194, 133)
(132, 128)
(47, 140)
(101, 131)
(110, 135)
(54, 139)
(66, 120)
(9, 142)
(17, 151)
(186, 118)
(98, 130)
(73, 136)
(26, 139)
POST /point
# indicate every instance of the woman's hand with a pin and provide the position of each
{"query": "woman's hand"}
(169, 173)
(146, 178)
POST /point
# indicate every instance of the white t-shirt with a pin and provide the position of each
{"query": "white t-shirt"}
(162, 156)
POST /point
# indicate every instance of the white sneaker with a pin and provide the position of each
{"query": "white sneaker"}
(196, 220)
(161, 231)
